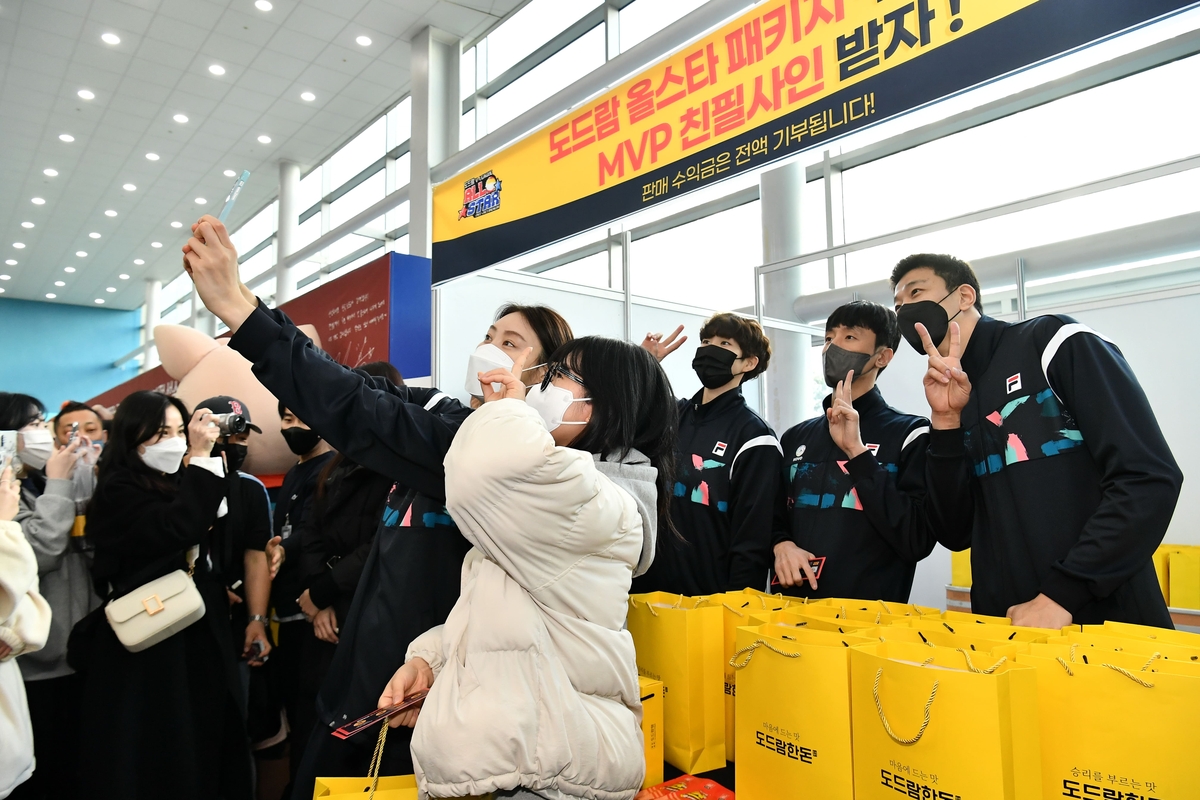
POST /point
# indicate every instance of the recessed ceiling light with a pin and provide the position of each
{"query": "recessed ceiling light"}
(1, 291)
(19, 245)
(37, 201)
(138, 261)
(201, 201)
(180, 118)
(129, 187)
(12, 262)
(365, 41)
(68, 269)
(5, 277)
(60, 283)
(50, 295)
(93, 235)
(110, 289)
(50, 173)
(66, 137)
(81, 253)
(110, 213)
(156, 244)
(86, 94)
(110, 38)
(176, 224)
(230, 173)
(216, 69)
(123, 276)
(307, 97)
(263, 5)
(264, 139)
(99, 301)
(152, 156)
(26, 224)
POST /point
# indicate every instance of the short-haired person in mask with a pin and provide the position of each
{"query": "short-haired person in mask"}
(727, 469)
(409, 582)
(851, 498)
(1044, 457)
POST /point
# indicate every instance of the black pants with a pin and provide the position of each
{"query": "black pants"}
(54, 711)
(289, 658)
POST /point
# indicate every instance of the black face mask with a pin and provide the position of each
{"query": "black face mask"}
(714, 365)
(931, 315)
(838, 361)
(301, 440)
(235, 454)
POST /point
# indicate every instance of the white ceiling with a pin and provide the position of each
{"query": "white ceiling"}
(50, 49)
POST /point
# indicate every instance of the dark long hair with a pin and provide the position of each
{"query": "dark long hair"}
(18, 410)
(138, 418)
(552, 330)
(633, 407)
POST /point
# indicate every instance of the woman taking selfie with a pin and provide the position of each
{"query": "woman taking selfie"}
(561, 495)
(164, 720)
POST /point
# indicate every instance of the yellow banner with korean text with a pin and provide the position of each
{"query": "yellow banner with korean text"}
(785, 76)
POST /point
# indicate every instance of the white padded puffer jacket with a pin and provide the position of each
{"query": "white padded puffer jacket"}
(536, 683)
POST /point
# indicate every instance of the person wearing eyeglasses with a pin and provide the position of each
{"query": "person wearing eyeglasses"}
(562, 494)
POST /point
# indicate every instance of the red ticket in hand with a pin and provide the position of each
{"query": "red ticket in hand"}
(816, 562)
(378, 715)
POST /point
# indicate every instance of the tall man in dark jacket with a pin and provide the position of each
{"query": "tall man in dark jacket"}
(851, 497)
(1045, 457)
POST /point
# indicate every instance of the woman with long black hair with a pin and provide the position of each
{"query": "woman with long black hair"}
(534, 689)
(165, 720)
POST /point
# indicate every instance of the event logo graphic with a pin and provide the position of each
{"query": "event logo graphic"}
(480, 196)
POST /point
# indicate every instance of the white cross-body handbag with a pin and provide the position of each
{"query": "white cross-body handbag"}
(157, 610)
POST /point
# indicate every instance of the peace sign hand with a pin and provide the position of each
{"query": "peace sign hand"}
(843, 419)
(947, 387)
(511, 385)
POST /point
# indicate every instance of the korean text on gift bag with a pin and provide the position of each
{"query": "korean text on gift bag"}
(1108, 726)
(681, 645)
(941, 723)
(793, 721)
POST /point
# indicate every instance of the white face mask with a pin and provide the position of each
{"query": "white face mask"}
(37, 445)
(552, 404)
(165, 456)
(486, 358)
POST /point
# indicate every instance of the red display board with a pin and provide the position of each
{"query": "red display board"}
(155, 380)
(350, 314)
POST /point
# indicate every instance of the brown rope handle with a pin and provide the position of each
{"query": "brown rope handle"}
(1065, 666)
(1139, 681)
(971, 666)
(734, 610)
(883, 718)
(377, 759)
(749, 653)
(1152, 659)
(647, 603)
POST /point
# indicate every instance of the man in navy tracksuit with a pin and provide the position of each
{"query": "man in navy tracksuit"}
(1045, 457)
(727, 466)
(851, 498)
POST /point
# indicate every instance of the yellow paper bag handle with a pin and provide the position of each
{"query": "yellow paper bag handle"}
(377, 759)
(883, 718)
(749, 653)
(976, 669)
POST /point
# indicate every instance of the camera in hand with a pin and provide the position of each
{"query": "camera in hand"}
(230, 424)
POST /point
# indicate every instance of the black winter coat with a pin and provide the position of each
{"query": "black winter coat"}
(167, 720)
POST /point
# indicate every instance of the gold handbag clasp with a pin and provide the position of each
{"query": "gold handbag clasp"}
(153, 605)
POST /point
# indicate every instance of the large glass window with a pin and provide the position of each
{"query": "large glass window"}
(256, 229)
(399, 123)
(358, 154)
(258, 263)
(530, 28)
(555, 73)
(312, 189)
(643, 18)
(357, 199)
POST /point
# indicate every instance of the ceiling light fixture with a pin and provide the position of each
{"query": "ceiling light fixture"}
(307, 97)
(26, 224)
(68, 270)
(110, 38)
(180, 118)
(50, 295)
(123, 276)
(99, 301)
(264, 139)
(156, 244)
(110, 289)
(364, 41)
(81, 253)
(110, 213)
(201, 201)
(229, 173)
(152, 156)
(37, 201)
(19, 245)
(6, 277)
(86, 94)
(66, 137)
(176, 224)
(12, 262)
(1, 291)
(60, 283)
(129, 187)
(93, 235)
(50, 173)
(263, 5)
(216, 69)
(138, 261)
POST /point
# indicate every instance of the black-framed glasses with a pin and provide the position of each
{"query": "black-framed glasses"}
(560, 369)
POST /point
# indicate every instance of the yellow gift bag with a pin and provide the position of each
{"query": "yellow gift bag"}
(981, 630)
(1184, 578)
(651, 692)
(1146, 632)
(960, 569)
(398, 787)
(793, 722)
(1110, 728)
(940, 723)
(680, 644)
